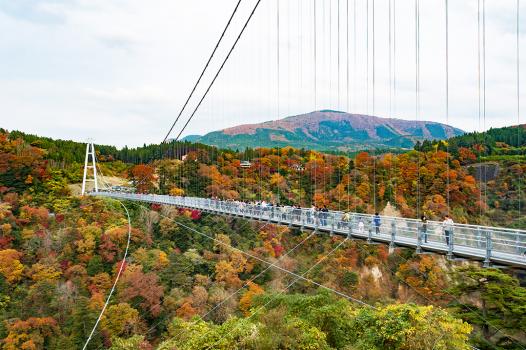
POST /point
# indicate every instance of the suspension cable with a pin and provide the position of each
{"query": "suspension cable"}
(394, 85)
(220, 69)
(417, 98)
(390, 83)
(252, 279)
(354, 57)
(447, 102)
(298, 277)
(348, 94)
(269, 263)
(203, 71)
(373, 105)
(314, 52)
(484, 86)
(347, 56)
(247, 283)
(367, 56)
(338, 46)
(330, 54)
(518, 103)
(479, 101)
(278, 93)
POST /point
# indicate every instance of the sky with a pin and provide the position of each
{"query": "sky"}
(118, 71)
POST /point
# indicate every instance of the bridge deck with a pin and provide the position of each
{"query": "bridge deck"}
(489, 244)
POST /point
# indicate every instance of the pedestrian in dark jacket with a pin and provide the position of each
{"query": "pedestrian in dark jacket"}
(377, 222)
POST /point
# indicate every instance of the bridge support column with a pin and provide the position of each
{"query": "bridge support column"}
(332, 224)
(489, 243)
(419, 239)
(393, 236)
(450, 246)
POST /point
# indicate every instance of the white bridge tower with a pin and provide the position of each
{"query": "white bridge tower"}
(90, 151)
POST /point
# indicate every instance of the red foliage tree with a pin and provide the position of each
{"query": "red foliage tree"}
(134, 284)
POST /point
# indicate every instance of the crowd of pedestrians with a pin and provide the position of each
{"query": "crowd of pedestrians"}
(322, 216)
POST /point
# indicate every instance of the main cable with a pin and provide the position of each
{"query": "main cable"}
(203, 71)
(220, 69)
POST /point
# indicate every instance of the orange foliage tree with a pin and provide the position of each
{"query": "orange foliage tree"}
(31, 334)
(425, 276)
(246, 300)
(143, 177)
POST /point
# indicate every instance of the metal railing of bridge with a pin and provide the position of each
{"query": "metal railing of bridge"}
(489, 244)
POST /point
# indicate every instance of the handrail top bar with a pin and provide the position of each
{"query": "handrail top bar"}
(370, 216)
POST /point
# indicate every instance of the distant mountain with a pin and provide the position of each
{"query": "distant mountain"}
(191, 138)
(329, 130)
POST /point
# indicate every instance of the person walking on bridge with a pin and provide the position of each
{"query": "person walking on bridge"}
(377, 221)
(448, 228)
(324, 215)
(423, 221)
(311, 213)
(346, 218)
(361, 226)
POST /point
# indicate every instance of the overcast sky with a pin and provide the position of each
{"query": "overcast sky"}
(118, 71)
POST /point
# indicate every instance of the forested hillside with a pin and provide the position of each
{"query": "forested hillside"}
(415, 182)
(59, 255)
(500, 143)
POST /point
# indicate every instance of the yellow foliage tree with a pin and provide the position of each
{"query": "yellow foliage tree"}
(176, 191)
(41, 272)
(121, 319)
(10, 266)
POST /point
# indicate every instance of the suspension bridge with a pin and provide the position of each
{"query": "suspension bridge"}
(493, 246)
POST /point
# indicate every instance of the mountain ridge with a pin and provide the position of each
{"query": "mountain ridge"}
(330, 130)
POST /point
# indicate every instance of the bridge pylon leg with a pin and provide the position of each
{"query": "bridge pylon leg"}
(419, 240)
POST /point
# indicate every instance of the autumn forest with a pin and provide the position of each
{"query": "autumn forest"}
(60, 252)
